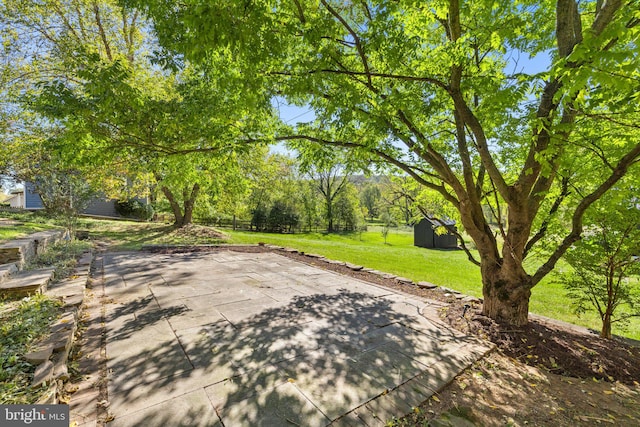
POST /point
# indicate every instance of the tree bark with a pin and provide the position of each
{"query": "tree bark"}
(605, 332)
(175, 207)
(506, 291)
(189, 203)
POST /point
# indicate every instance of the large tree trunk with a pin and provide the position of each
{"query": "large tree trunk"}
(189, 200)
(506, 292)
(506, 285)
(189, 203)
(175, 207)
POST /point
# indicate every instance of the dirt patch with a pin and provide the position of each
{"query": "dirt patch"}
(501, 391)
(556, 348)
(199, 232)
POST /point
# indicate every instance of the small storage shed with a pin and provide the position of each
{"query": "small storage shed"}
(425, 235)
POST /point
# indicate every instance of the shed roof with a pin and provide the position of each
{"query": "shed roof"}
(440, 222)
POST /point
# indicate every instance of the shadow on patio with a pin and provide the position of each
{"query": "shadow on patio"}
(306, 363)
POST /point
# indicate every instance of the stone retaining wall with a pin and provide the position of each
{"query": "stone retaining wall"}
(51, 355)
(25, 249)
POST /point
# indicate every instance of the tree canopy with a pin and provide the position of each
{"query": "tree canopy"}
(89, 73)
(437, 89)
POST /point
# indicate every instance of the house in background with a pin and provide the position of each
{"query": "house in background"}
(15, 199)
(425, 235)
(98, 207)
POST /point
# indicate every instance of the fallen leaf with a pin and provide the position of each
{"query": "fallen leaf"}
(435, 398)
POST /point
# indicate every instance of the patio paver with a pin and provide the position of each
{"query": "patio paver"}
(257, 339)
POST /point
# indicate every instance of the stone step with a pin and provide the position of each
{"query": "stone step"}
(13, 251)
(27, 282)
(25, 249)
(68, 287)
(70, 292)
(6, 270)
(43, 239)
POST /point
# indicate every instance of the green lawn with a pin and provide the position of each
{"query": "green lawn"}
(444, 268)
(10, 232)
(398, 256)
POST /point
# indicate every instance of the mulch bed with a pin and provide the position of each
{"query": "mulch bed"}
(553, 346)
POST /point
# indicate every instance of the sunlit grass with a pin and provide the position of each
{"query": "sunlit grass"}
(22, 230)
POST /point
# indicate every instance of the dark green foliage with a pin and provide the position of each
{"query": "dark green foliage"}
(346, 215)
(282, 218)
(259, 218)
(134, 208)
(21, 324)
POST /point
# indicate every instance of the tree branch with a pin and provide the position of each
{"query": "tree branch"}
(392, 160)
(564, 192)
(576, 228)
(356, 38)
(431, 80)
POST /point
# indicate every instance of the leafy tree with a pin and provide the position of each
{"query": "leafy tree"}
(346, 209)
(605, 265)
(387, 223)
(43, 42)
(271, 179)
(437, 90)
(310, 205)
(282, 217)
(330, 180)
(64, 193)
(370, 199)
(259, 218)
(119, 112)
(399, 195)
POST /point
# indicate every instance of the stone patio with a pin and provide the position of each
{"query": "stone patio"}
(257, 339)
